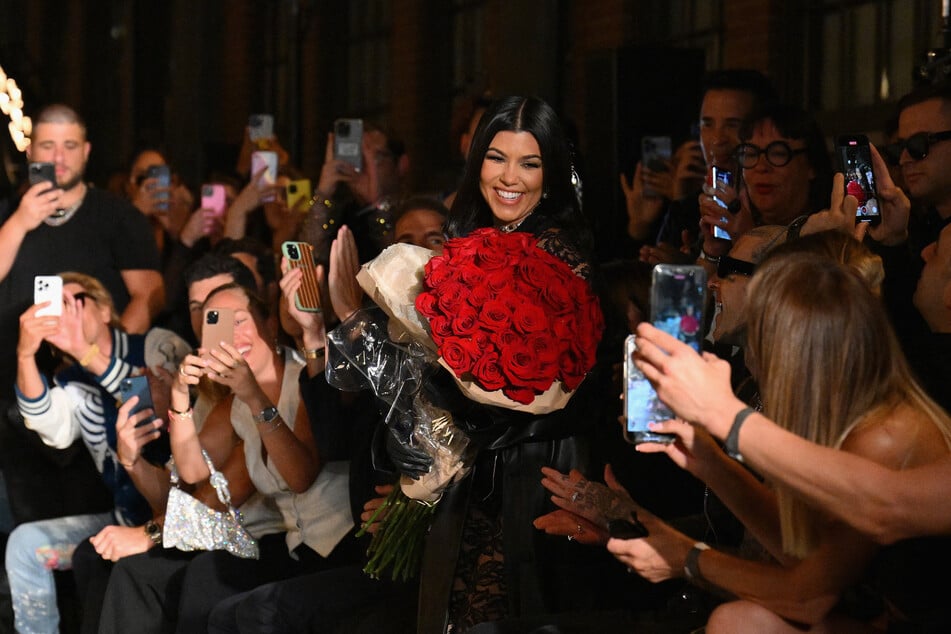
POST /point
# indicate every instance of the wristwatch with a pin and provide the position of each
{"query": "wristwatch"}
(267, 415)
(154, 532)
(731, 444)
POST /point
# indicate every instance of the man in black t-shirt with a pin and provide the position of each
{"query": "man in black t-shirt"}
(70, 227)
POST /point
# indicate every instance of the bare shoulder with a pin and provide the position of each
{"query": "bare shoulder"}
(898, 438)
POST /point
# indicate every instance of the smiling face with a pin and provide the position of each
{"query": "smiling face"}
(722, 114)
(780, 194)
(512, 176)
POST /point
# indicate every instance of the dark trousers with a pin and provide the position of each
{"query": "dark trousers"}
(166, 590)
(338, 600)
(91, 573)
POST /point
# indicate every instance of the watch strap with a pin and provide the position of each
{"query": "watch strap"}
(731, 445)
(692, 563)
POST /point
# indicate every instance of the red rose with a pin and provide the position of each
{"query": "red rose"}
(529, 318)
(492, 258)
(522, 368)
(487, 372)
(451, 297)
(505, 338)
(496, 315)
(479, 295)
(557, 298)
(498, 280)
(465, 321)
(457, 352)
(536, 273)
(545, 347)
(426, 305)
(440, 327)
(436, 270)
(521, 395)
(572, 368)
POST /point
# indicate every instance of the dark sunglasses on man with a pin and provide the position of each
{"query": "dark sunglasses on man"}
(728, 266)
(917, 145)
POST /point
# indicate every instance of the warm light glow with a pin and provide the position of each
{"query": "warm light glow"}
(11, 104)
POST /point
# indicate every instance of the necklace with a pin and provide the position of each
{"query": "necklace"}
(509, 228)
(62, 216)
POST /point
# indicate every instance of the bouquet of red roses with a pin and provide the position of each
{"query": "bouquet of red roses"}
(508, 316)
(515, 326)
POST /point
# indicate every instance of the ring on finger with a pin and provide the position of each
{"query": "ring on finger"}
(181, 370)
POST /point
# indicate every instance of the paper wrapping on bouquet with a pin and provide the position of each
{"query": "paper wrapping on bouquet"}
(551, 400)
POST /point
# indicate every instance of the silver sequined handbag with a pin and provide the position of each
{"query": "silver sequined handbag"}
(190, 525)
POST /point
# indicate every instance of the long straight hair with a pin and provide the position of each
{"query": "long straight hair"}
(827, 361)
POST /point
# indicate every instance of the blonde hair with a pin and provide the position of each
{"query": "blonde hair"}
(827, 361)
(96, 292)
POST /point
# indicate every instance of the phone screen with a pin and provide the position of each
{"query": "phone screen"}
(163, 179)
(855, 162)
(722, 180)
(678, 300)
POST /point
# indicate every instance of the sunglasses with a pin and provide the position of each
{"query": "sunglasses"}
(778, 154)
(731, 266)
(917, 145)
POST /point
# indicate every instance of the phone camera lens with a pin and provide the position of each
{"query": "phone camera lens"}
(292, 251)
(212, 317)
(343, 128)
(292, 188)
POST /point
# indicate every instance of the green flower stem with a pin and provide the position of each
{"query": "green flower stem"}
(399, 537)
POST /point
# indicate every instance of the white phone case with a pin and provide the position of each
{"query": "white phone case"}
(48, 288)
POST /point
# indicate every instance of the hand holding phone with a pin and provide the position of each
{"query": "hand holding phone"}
(855, 163)
(48, 288)
(158, 450)
(655, 156)
(723, 193)
(298, 192)
(678, 302)
(301, 255)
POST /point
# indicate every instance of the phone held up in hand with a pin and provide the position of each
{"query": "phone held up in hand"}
(855, 162)
(42, 172)
(155, 451)
(163, 179)
(214, 199)
(348, 142)
(678, 301)
(217, 325)
(260, 127)
(298, 192)
(300, 255)
(655, 153)
(722, 181)
(48, 288)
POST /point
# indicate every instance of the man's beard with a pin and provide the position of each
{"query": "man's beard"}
(71, 183)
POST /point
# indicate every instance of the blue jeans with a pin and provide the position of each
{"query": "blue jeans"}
(34, 551)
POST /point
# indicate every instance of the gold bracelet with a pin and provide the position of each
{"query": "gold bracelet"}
(126, 466)
(90, 355)
(316, 353)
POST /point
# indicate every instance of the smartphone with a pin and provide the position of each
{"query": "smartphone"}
(48, 288)
(722, 179)
(301, 255)
(217, 325)
(678, 301)
(855, 162)
(655, 152)
(155, 451)
(298, 190)
(260, 126)
(213, 197)
(265, 159)
(40, 172)
(163, 178)
(348, 141)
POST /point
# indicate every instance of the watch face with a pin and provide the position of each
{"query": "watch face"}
(267, 415)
